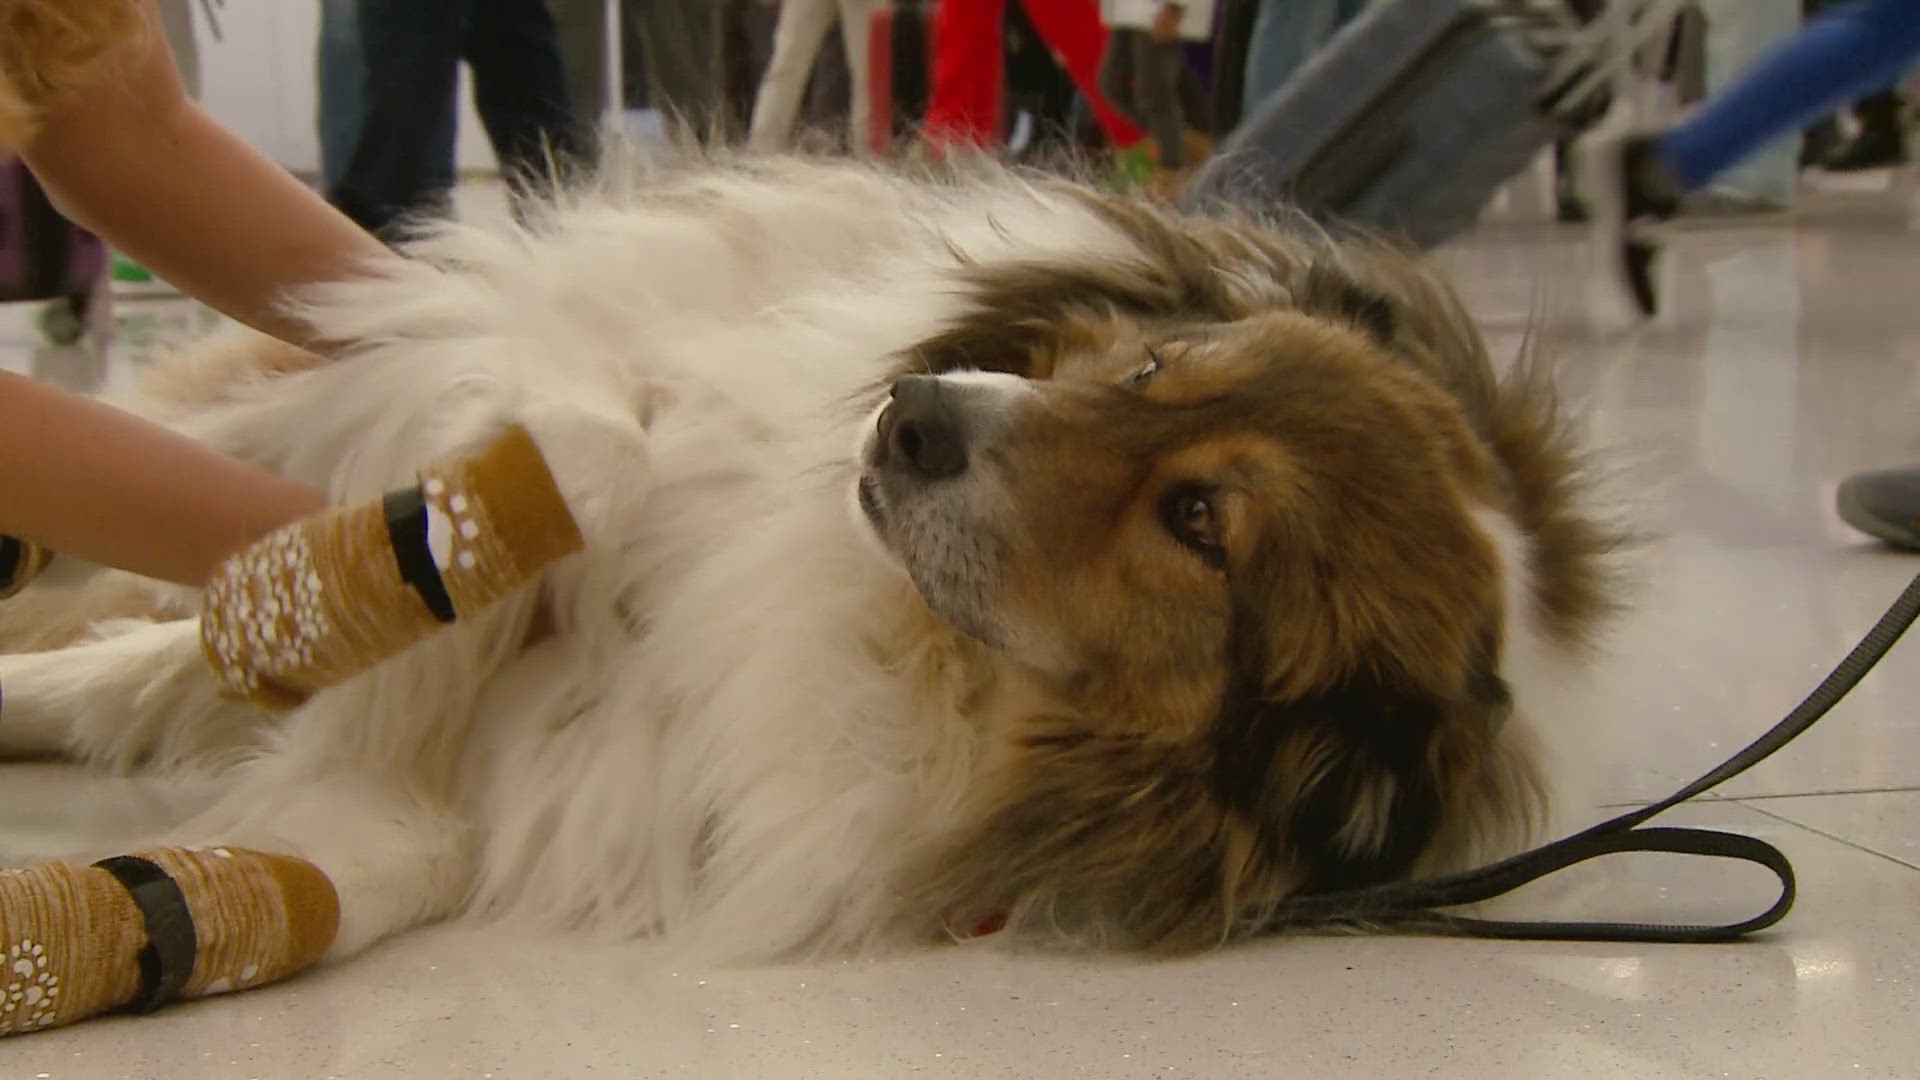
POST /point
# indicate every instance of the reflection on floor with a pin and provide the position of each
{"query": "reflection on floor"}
(1791, 358)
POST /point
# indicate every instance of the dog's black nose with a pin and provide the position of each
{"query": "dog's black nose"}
(922, 432)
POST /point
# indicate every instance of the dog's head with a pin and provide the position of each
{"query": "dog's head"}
(1244, 552)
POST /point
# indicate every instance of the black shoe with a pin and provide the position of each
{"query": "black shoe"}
(1870, 149)
(1885, 505)
(1630, 192)
(1822, 141)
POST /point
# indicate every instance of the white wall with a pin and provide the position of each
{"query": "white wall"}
(260, 79)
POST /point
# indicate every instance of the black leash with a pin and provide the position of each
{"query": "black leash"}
(1415, 906)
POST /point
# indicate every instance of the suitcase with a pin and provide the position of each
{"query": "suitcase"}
(46, 258)
(1418, 111)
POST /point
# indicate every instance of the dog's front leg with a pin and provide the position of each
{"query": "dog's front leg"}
(283, 873)
(597, 451)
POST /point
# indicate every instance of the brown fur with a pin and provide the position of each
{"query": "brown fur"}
(1325, 710)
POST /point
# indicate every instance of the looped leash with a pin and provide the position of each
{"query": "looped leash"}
(1416, 906)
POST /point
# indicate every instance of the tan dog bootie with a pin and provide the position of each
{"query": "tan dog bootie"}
(137, 932)
(324, 599)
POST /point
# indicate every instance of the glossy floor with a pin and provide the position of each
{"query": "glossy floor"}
(1791, 357)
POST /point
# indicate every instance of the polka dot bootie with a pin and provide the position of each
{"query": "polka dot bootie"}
(322, 600)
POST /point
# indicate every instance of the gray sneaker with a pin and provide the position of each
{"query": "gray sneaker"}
(1885, 505)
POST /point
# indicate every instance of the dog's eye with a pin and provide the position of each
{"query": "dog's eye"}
(1190, 517)
(1145, 372)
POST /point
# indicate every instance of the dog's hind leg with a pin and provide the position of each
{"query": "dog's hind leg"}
(395, 860)
(289, 869)
(53, 616)
(140, 695)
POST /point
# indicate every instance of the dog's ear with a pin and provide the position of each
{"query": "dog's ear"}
(1108, 838)
(1330, 293)
(1354, 783)
(1339, 781)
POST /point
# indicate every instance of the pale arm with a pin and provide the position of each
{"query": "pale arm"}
(91, 481)
(131, 157)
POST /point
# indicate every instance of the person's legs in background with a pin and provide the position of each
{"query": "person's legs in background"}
(1882, 138)
(1072, 29)
(1118, 80)
(830, 90)
(968, 67)
(797, 38)
(856, 32)
(1230, 51)
(1569, 205)
(681, 42)
(1739, 34)
(1824, 136)
(1162, 104)
(341, 74)
(581, 28)
(402, 160)
(1285, 33)
(1141, 77)
(1638, 181)
(520, 89)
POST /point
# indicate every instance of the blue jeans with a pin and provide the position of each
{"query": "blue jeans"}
(342, 74)
(1285, 34)
(1844, 53)
(402, 159)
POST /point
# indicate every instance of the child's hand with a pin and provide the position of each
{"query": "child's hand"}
(1166, 23)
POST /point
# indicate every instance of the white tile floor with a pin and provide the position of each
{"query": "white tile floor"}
(1791, 357)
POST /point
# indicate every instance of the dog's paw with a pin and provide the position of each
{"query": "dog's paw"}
(599, 459)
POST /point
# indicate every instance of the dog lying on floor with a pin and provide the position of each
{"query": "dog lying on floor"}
(974, 549)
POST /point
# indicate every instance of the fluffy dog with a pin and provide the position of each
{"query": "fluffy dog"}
(957, 549)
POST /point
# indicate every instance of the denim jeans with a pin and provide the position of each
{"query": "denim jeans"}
(341, 95)
(402, 159)
(1285, 34)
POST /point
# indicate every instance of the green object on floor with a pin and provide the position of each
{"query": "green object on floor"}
(125, 269)
(1133, 166)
